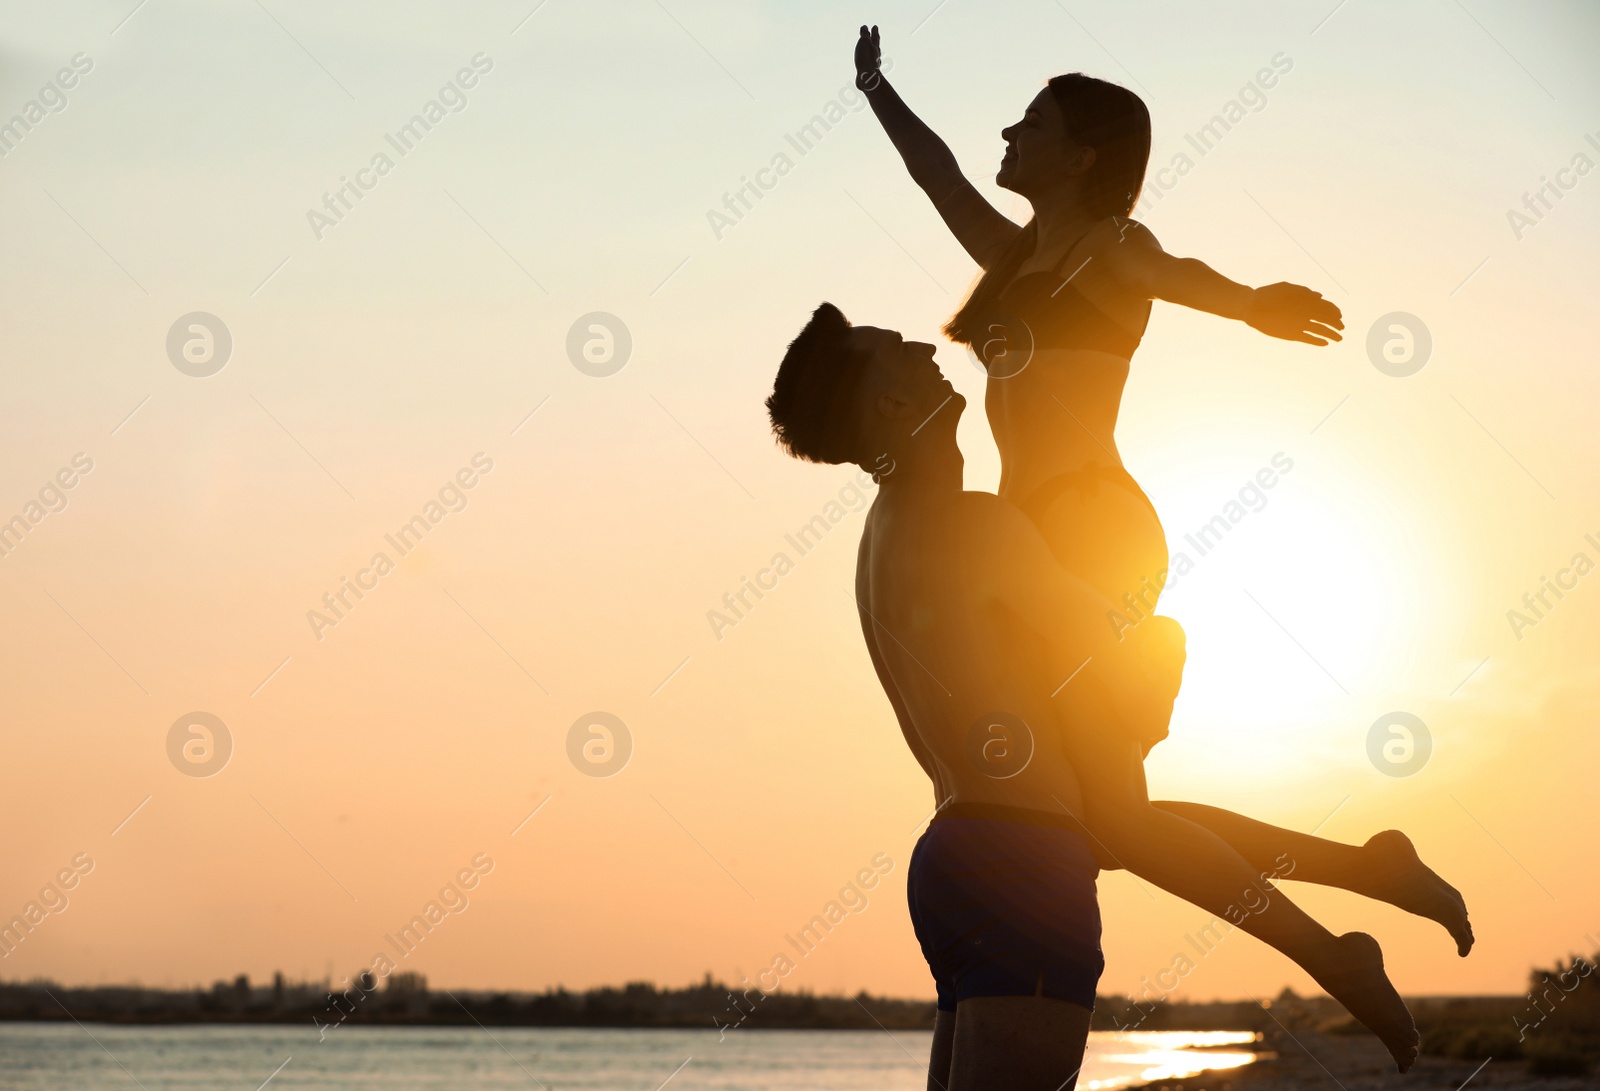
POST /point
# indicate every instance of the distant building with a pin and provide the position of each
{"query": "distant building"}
(407, 982)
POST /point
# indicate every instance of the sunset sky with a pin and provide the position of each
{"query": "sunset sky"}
(587, 165)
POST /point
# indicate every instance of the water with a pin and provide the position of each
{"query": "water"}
(97, 1056)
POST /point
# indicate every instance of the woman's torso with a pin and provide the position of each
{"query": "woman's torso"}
(1070, 330)
(1052, 403)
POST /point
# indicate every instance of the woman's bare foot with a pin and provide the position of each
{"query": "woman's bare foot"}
(1356, 980)
(1399, 877)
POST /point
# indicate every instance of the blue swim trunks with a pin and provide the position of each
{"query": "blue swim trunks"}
(1003, 903)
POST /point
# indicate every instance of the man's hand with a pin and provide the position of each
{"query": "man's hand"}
(1161, 648)
(1294, 313)
(1145, 675)
(868, 57)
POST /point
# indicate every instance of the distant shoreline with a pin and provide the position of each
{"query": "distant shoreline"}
(406, 1000)
(1300, 1040)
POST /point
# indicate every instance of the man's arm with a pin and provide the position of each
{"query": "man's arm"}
(869, 630)
(1132, 682)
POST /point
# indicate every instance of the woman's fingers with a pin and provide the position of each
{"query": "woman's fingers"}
(867, 51)
(1325, 310)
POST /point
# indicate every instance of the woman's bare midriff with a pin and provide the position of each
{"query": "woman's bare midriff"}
(1055, 416)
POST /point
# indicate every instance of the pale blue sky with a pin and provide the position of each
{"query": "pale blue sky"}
(370, 365)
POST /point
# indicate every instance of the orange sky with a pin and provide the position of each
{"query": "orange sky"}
(372, 365)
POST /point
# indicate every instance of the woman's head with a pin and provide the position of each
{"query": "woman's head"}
(1083, 141)
(1079, 137)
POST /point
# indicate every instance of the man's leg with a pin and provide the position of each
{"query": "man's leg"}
(944, 1039)
(1019, 1043)
(1386, 868)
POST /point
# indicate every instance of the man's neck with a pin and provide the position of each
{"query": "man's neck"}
(929, 473)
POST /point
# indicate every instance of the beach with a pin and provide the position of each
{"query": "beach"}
(1311, 1061)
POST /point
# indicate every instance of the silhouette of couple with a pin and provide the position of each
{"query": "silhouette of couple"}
(986, 615)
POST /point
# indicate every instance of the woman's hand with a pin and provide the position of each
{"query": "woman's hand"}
(977, 225)
(1294, 313)
(868, 57)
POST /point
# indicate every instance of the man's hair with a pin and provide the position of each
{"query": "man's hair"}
(810, 406)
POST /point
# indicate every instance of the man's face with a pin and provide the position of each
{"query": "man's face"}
(901, 381)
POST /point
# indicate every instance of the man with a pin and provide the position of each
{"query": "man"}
(957, 593)
(974, 630)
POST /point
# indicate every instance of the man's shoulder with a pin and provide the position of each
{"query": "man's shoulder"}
(992, 530)
(989, 513)
(955, 521)
(978, 500)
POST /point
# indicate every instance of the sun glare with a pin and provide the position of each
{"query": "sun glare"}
(1295, 608)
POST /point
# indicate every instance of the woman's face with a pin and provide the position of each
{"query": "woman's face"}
(1039, 155)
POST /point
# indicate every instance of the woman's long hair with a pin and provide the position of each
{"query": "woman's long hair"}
(1114, 122)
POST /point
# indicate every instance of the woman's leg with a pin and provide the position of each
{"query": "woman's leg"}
(1192, 862)
(1113, 538)
(1386, 868)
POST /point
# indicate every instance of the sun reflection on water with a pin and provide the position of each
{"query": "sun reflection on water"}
(1120, 1059)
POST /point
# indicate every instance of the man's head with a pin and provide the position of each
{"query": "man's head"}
(851, 393)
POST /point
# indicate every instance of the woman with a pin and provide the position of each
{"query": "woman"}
(1056, 316)
(1062, 305)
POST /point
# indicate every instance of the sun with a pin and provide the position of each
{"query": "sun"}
(1297, 616)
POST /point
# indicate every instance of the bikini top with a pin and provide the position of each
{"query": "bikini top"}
(1061, 317)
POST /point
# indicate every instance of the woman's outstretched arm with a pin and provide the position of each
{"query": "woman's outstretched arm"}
(1290, 311)
(980, 228)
